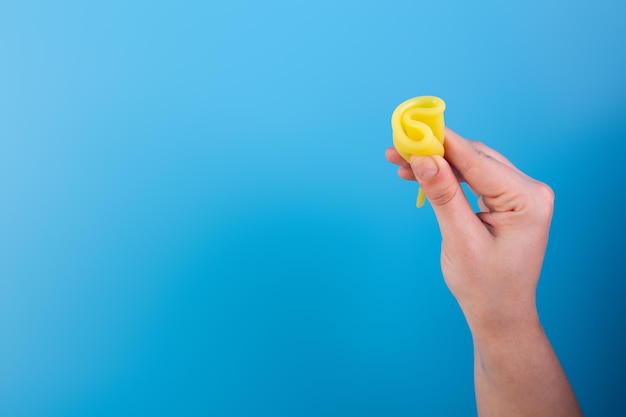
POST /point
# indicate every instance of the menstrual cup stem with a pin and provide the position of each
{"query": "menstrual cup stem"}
(421, 198)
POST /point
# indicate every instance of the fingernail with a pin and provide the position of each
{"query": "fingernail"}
(424, 167)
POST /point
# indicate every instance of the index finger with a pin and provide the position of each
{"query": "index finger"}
(487, 176)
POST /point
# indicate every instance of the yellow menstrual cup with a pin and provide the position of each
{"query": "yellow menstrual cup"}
(418, 129)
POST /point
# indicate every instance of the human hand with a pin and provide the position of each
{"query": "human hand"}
(490, 260)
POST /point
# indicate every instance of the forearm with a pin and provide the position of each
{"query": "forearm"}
(518, 374)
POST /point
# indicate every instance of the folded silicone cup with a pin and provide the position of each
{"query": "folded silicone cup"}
(418, 129)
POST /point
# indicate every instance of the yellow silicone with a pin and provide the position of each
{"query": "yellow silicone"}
(418, 129)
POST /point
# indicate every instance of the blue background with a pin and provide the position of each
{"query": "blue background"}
(196, 216)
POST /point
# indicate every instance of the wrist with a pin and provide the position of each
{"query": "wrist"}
(504, 327)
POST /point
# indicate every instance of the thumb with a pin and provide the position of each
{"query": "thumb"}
(454, 213)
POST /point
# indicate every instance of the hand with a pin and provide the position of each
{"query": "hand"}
(491, 262)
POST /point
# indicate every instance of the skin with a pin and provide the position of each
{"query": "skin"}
(491, 262)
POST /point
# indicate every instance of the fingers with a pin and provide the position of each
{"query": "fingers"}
(481, 147)
(488, 173)
(404, 170)
(394, 157)
(454, 214)
(406, 173)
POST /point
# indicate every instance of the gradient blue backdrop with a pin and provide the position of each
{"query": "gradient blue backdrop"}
(196, 217)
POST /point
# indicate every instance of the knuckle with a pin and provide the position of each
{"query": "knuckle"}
(544, 199)
(480, 148)
(545, 192)
(475, 143)
(443, 194)
(472, 163)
